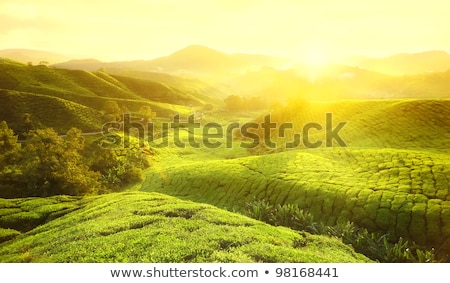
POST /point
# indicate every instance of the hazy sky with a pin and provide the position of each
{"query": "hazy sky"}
(139, 29)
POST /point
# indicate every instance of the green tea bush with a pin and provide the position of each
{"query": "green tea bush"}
(8, 234)
(376, 246)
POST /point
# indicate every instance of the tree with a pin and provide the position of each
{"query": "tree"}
(118, 167)
(27, 123)
(111, 111)
(8, 141)
(146, 112)
(9, 161)
(208, 107)
(234, 103)
(52, 165)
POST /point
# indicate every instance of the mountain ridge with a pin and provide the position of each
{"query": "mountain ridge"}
(194, 59)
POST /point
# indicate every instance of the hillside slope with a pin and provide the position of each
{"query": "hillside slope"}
(143, 227)
(393, 176)
(46, 111)
(390, 123)
(39, 89)
(407, 63)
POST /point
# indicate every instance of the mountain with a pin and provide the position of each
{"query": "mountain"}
(33, 56)
(337, 82)
(81, 64)
(196, 58)
(405, 63)
(193, 61)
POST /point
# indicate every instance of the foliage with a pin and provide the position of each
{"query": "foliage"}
(48, 164)
(8, 141)
(8, 234)
(375, 246)
(208, 107)
(118, 166)
(147, 114)
(287, 215)
(379, 246)
(111, 111)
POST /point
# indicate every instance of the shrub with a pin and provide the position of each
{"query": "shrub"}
(376, 246)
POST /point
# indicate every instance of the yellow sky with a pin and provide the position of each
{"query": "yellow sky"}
(301, 29)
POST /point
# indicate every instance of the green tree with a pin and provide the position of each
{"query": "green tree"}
(9, 161)
(52, 165)
(146, 112)
(8, 141)
(234, 103)
(111, 111)
(208, 107)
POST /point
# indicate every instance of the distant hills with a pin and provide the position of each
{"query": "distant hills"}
(33, 56)
(198, 60)
(194, 60)
(405, 63)
(197, 75)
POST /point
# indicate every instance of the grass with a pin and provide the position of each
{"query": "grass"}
(151, 227)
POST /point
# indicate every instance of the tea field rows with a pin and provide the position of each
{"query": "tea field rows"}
(151, 227)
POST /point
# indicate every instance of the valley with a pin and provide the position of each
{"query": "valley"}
(391, 178)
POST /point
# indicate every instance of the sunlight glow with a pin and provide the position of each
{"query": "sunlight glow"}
(315, 57)
(138, 29)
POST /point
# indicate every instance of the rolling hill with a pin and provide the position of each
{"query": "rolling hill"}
(82, 95)
(150, 227)
(393, 177)
(419, 75)
(405, 63)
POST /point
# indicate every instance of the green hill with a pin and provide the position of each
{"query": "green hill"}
(392, 178)
(180, 92)
(47, 111)
(150, 227)
(57, 82)
(390, 123)
(62, 99)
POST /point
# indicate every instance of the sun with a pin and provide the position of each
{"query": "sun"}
(314, 57)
